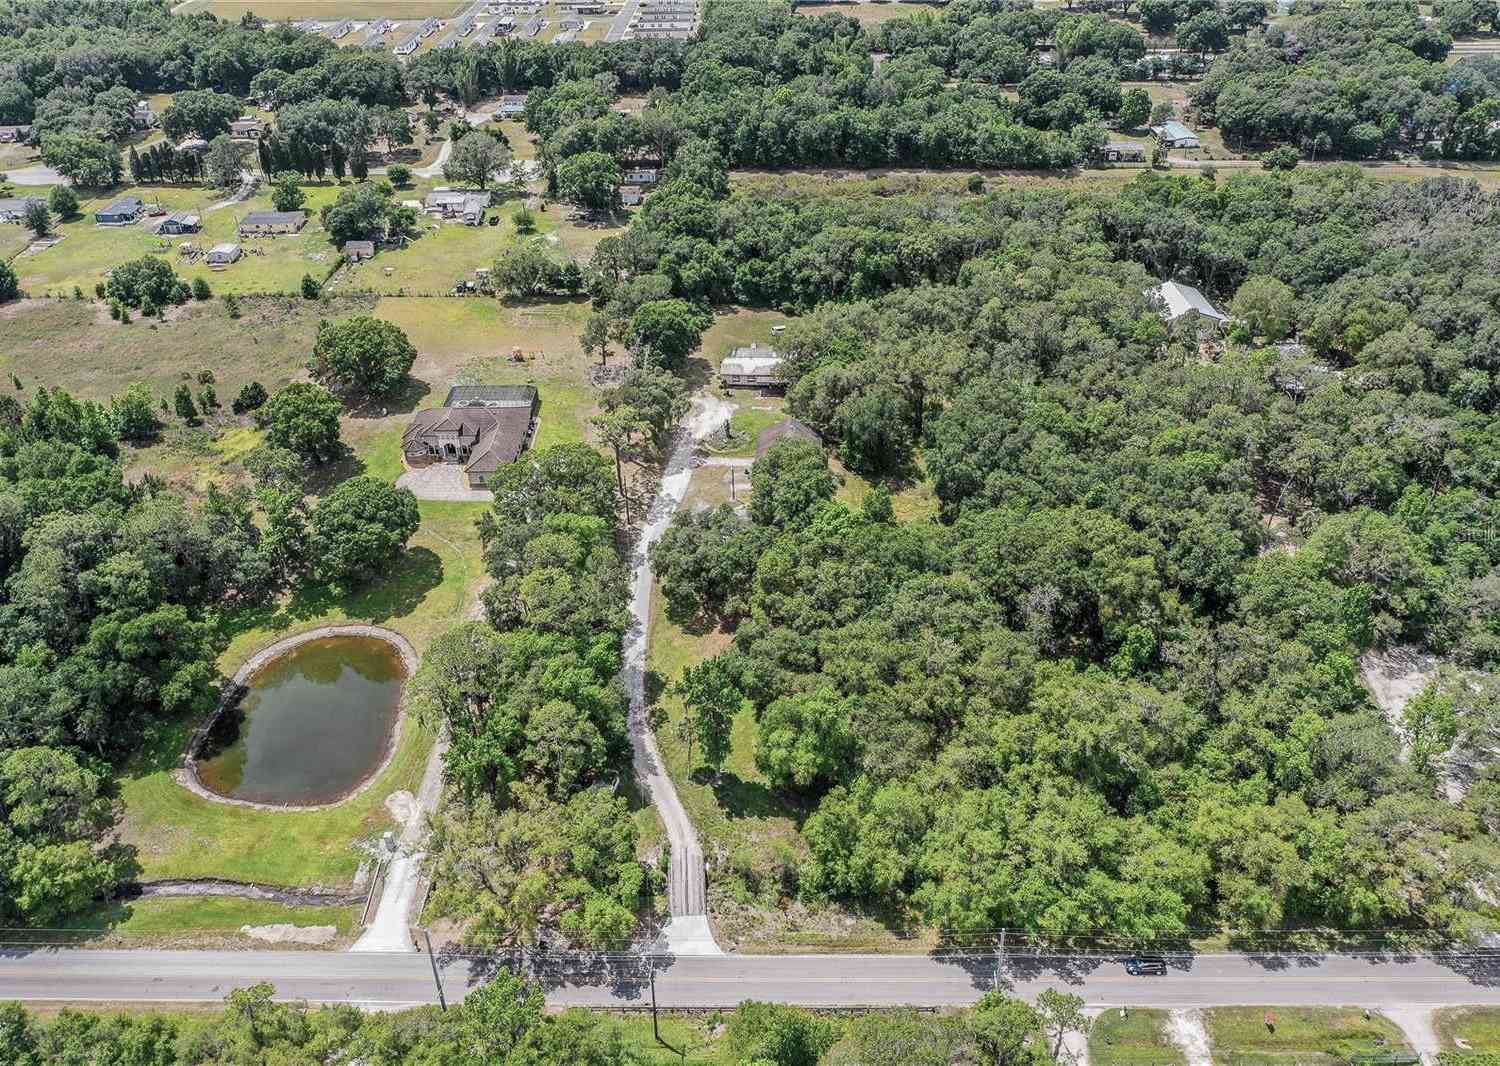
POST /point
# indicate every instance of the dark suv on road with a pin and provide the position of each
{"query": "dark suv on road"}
(1153, 965)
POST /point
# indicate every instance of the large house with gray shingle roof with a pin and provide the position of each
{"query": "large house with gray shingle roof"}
(482, 427)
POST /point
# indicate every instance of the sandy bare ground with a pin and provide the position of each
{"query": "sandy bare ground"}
(285, 933)
(1187, 1032)
(1394, 677)
(1416, 1024)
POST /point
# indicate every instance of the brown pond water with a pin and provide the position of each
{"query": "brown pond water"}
(316, 722)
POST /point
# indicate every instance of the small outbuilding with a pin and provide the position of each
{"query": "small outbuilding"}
(1181, 304)
(222, 255)
(1124, 152)
(632, 195)
(179, 222)
(272, 223)
(247, 129)
(753, 368)
(357, 251)
(1174, 134)
(125, 211)
(786, 429)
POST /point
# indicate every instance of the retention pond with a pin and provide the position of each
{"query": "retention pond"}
(313, 724)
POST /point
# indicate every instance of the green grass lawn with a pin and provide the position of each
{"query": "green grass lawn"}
(154, 922)
(1138, 1038)
(754, 414)
(1303, 1036)
(444, 254)
(1478, 1027)
(75, 344)
(178, 834)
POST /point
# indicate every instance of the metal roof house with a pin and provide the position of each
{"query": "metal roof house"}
(1174, 134)
(482, 427)
(429, 27)
(457, 203)
(641, 176)
(409, 45)
(512, 106)
(752, 368)
(271, 223)
(354, 251)
(1183, 303)
(123, 212)
(221, 255)
(341, 29)
(632, 195)
(179, 222)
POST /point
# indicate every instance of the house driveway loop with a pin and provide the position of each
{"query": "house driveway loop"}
(442, 481)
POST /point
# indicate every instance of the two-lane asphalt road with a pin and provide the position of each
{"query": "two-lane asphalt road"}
(379, 980)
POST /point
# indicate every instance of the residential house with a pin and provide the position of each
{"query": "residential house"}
(1183, 305)
(571, 25)
(14, 134)
(179, 222)
(222, 255)
(533, 26)
(1174, 134)
(341, 29)
(272, 223)
(409, 45)
(632, 195)
(481, 427)
(465, 26)
(375, 38)
(512, 106)
(641, 176)
(125, 211)
(247, 129)
(752, 368)
(196, 145)
(357, 251)
(585, 7)
(1124, 152)
(13, 208)
(428, 27)
(450, 40)
(465, 204)
(143, 116)
(786, 429)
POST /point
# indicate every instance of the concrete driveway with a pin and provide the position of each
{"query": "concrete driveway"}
(442, 481)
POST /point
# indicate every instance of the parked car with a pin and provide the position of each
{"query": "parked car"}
(1149, 965)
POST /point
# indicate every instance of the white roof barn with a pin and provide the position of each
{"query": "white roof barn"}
(1179, 301)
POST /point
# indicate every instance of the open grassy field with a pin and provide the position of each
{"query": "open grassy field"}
(1477, 1027)
(204, 920)
(1300, 1036)
(868, 13)
(270, 264)
(444, 254)
(1136, 1038)
(75, 344)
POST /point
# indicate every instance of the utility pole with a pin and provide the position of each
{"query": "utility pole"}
(651, 969)
(435, 978)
